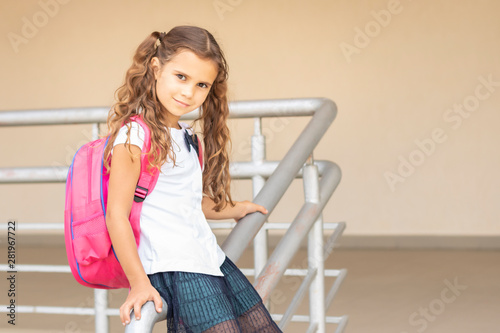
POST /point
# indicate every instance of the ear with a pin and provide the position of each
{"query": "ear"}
(155, 65)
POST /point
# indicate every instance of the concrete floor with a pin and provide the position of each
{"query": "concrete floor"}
(385, 292)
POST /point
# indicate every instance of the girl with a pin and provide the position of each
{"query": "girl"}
(178, 256)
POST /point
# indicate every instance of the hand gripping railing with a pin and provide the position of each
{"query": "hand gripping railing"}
(297, 162)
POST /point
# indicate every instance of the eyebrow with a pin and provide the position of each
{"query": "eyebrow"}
(182, 73)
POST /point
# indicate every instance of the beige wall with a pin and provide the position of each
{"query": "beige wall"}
(393, 87)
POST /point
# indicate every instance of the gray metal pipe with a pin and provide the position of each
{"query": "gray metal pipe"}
(239, 109)
(53, 117)
(246, 229)
(290, 243)
(297, 298)
(33, 175)
(55, 174)
(101, 305)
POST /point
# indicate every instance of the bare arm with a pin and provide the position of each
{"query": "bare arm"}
(238, 211)
(123, 179)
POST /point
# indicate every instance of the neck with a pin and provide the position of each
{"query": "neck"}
(173, 122)
(176, 126)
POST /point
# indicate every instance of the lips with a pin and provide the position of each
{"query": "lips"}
(181, 103)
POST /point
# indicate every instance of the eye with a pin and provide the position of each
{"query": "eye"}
(202, 85)
(180, 76)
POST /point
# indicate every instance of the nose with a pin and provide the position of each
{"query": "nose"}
(187, 91)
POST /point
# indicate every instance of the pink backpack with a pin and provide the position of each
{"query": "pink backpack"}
(90, 253)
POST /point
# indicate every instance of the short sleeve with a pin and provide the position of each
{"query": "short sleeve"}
(136, 135)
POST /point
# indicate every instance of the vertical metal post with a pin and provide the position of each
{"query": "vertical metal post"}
(100, 306)
(315, 249)
(95, 131)
(100, 295)
(258, 156)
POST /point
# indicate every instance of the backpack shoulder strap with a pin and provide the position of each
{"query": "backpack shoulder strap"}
(146, 183)
(147, 180)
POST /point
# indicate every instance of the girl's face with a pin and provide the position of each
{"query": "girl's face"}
(183, 83)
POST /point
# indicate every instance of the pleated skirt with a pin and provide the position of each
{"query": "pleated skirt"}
(201, 303)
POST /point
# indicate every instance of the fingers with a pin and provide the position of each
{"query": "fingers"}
(259, 208)
(247, 207)
(125, 313)
(158, 302)
(135, 301)
(137, 310)
(262, 209)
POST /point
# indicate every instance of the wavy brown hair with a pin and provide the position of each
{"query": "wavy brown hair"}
(138, 96)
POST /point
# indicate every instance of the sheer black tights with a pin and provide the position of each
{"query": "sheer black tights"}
(255, 320)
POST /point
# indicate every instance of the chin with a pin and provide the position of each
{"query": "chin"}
(178, 111)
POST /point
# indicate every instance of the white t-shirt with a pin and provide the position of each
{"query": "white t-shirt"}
(175, 235)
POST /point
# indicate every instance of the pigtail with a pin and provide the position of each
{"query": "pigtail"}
(140, 77)
(138, 96)
(216, 178)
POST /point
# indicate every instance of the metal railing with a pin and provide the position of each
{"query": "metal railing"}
(270, 180)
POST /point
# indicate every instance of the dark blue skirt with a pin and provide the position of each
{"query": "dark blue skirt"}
(211, 304)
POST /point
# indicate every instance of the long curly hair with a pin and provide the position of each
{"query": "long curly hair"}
(138, 96)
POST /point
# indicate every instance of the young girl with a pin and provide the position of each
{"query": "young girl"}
(178, 256)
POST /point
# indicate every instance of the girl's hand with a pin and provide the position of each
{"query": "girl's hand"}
(242, 208)
(136, 298)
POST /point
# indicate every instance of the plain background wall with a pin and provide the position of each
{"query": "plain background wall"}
(394, 81)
